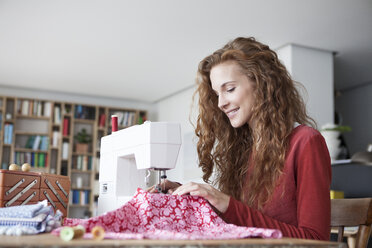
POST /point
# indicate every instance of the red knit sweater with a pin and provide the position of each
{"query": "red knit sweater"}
(303, 211)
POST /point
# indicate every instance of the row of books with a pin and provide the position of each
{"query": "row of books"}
(8, 133)
(126, 118)
(82, 162)
(34, 108)
(85, 112)
(35, 159)
(79, 197)
(37, 142)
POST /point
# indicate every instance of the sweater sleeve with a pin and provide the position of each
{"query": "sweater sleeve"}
(313, 177)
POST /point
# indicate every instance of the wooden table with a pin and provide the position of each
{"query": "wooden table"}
(47, 240)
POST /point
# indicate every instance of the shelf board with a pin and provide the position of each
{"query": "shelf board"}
(47, 118)
(81, 188)
(79, 206)
(121, 126)
(88, 121)
(8, 120)
(30, 133)
(80, 171)
(82, 154)
(29, 150)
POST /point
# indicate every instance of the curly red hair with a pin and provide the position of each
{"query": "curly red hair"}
(231, 152)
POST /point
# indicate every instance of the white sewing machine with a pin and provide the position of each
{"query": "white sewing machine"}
(128, 154)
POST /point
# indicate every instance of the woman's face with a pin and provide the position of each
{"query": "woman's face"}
(234, 91)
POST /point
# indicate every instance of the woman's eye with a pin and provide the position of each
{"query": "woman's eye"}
(231, 89)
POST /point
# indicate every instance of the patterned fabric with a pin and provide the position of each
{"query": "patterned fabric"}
(163, 216)
(28, 219)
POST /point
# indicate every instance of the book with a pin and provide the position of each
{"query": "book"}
(55, 138)
(8, 133)
(75, 196)
(47, 109)
(25, 107)
(65, 147)
(30, 141)
(44, 143)
(102, 120)
(57, 115)
(41, 160)
(36, 159)
(66, 125)
(36, 144)
(79, 162)
(39, 109)
(35, 107)
(32, 159)
(85, 163)
(46, 160)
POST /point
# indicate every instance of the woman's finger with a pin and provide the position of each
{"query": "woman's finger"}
(186, 189)
(150, 189)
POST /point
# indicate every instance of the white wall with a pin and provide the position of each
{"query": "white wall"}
(177, 108)
(313, 68)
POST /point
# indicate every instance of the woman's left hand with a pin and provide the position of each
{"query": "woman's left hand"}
(216, 198)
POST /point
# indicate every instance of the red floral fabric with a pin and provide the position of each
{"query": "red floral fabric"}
(164, 216)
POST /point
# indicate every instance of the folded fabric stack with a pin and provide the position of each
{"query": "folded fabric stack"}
(29, 219)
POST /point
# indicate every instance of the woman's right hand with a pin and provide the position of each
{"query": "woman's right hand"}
(167, 186)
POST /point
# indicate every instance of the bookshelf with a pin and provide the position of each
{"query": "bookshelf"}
(44, 133)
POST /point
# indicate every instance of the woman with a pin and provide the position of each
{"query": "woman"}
(271, 167)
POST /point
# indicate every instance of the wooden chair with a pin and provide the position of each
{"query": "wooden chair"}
(353, 212)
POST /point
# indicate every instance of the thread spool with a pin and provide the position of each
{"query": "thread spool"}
(114, 123)
(98, 233)
(68, 233)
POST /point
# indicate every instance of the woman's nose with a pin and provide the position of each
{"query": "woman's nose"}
(222, 102)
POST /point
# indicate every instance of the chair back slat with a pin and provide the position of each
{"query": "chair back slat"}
(350, 212)
(353, 212)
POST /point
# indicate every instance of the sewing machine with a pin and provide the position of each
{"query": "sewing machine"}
(127, 156)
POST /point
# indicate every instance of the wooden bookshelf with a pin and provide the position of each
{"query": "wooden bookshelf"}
(55, 124)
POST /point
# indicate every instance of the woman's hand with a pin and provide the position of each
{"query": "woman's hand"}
(166, 186)
(216, 198)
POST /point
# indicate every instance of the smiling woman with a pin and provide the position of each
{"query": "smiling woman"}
(272, 168)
